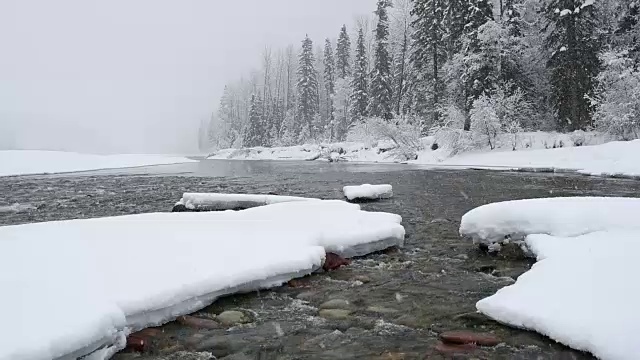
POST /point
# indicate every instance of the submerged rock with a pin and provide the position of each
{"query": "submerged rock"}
(334, 261)
(335, 314)
(468, 337)
(336, 304)
(232, 317)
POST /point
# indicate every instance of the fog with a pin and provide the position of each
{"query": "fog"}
(137, 76)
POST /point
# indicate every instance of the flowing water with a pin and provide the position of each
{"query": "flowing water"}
(399, 301)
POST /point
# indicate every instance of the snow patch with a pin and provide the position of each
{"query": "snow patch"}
(29, 162)
(111, 276)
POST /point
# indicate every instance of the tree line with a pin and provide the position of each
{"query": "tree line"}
(464, 66)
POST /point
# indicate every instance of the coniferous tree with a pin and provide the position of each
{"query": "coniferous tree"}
(455, 18)
(510, 15)
(628, 30)
(343, 54)
(401, 39)
(254, 136)
(359, 84)
(381, 92)
(307, 85)
(429, 53)
(329, 68)
(329, 79)
(574, 63)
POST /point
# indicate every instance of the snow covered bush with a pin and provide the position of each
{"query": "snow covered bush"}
(503, 111)
(617, 100)
(485, 123)
(403, 133)
(449, 134)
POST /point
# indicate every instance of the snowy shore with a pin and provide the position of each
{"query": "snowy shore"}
(538, 152)
(31, 162)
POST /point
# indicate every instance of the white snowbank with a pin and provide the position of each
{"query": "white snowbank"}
(368, 191)
(535, 150)
(218, 201)
(570, 216)
(26, 162)
(73, 287)
(614, 158)
(581, 292)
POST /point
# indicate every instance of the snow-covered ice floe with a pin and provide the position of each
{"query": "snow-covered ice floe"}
(29, 162)
(368, 192)
(78, 287)
(562, 216)
(218, 201)
(582, 291)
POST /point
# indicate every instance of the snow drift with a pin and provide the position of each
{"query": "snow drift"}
(581, 292)
(103, 278)
(29, 162)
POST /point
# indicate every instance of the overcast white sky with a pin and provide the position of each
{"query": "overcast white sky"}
(137, 75)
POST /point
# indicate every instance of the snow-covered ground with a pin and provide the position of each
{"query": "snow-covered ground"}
(537, 150)
(368, 191)
(26, 162)
(101, 278)
(614, 158)
(582, 291)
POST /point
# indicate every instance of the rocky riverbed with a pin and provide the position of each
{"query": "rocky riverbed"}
(392, 305)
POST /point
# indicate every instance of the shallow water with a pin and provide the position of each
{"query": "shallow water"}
(400, 301)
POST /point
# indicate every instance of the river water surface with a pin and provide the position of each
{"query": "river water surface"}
(399, 301)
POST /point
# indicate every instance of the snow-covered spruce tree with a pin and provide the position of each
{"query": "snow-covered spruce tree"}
(329, 82)
(573, 63)
(469, 74)
(511, 17)
(329, 67)
(307, 90)
(429, 54)
(400, 35)
(341, 111)
(343, 54)
(255, 133)
(628, 30)
(478, 14)
(617, 99)
(359, 83)
(381, 92)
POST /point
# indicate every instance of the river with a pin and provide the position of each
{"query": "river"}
(400, 300)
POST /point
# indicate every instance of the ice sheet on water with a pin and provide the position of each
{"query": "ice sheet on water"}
(368, 191)
(101, 277)
(219, 201)
(563, 216)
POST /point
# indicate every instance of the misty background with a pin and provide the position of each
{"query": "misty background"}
(125, 76)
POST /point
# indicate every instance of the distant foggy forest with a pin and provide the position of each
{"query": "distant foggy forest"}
(465, 70)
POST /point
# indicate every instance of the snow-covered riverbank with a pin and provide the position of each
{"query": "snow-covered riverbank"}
(535, 151)
(28, 162)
